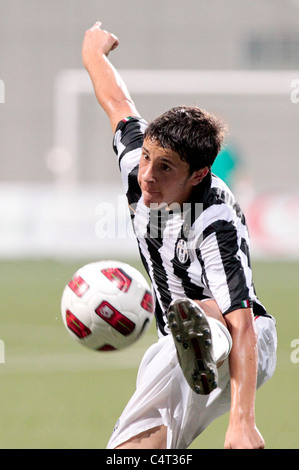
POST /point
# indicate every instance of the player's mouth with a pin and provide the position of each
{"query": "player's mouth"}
(150, 190)
(151, 197)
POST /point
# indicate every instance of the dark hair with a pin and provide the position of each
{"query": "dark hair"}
(193, 133)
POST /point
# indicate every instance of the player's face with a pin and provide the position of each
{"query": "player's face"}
(163, 177)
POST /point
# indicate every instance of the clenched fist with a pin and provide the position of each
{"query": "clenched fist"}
(97, 42)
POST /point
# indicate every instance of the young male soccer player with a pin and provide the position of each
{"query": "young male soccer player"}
(217, 344)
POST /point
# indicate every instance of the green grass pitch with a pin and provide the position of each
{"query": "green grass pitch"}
(55, 394)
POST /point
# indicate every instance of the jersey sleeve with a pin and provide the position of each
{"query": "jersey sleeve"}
(224, 256)
(128, 139)
(127, 144)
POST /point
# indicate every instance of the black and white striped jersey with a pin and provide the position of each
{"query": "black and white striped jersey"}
(200, 251)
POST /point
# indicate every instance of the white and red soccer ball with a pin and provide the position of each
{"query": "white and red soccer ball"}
(107, 305)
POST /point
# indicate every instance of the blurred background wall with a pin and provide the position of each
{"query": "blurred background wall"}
(44, 210)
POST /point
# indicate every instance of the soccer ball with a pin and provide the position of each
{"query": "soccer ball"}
(107, 305)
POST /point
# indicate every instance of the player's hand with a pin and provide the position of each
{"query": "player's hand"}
(243, 437)
(97, 42)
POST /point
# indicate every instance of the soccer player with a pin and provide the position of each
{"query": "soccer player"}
(216, 342)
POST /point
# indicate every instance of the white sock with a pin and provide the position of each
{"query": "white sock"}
(221, 339)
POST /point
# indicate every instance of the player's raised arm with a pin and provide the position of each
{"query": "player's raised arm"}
(110, 89)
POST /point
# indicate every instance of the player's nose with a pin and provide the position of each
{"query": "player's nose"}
(149, 174)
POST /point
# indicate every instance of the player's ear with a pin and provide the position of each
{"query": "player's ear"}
(198, 176)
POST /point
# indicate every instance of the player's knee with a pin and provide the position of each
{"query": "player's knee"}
(211, 309)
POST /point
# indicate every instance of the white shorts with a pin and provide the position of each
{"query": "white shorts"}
(163, 396)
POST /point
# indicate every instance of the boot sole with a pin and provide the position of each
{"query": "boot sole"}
(192, 337)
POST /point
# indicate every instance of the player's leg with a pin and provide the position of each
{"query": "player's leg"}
(143, 423)
(212, 310)
(222, 341)
(202, 342)
(160, 385)
(155, 438)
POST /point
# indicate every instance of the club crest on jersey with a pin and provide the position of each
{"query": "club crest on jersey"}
(181, 251)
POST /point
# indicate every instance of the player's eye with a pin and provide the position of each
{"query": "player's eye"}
(165, 167)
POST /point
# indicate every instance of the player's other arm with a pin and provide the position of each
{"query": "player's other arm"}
(243, 359)
(242, 432)
(110, 89)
